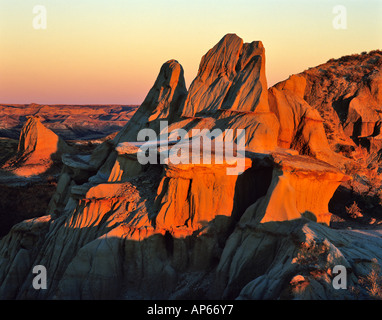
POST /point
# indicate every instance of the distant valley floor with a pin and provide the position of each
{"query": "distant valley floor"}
(71, 122)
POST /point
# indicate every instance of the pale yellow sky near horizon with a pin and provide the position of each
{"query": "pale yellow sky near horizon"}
(110, 52)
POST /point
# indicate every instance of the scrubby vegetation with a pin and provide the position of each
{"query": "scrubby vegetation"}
(354, 211)
(372, 282)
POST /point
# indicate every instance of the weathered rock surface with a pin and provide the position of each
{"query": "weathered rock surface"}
(300, 186)
(38, 142)
(229, 92)
(300, 265)
(37, 151)
(119, 228)
(231, 76)
(161, 103)
(346, 92)
(301, 126)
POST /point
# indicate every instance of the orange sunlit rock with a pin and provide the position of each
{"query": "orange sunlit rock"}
(38, 148)
(161, 103)
(231, 76)
(301, 126)
(183, 227)
(300, 186)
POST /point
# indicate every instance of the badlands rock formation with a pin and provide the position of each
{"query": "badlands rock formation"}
(37, 150)
(231, 76)
(120, 228)
(346, 94)
(161, 103)
(28, 173)
(301, 126)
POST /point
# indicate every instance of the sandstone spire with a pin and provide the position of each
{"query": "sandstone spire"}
(231, 76)
(161, 103)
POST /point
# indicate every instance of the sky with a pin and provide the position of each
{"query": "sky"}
(111, 51)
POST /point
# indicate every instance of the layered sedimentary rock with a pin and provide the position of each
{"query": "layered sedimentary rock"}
(301, 126)
(122, 228)
(38, 148)
(105, 163)
(231, 76)
(229, 92)
(36, 141)
(71, 122)
(294, 260)
(161, 103)
(175, 218)
(300, 186)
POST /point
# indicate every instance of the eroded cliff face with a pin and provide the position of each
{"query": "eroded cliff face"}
(161, 103)
(118, 228)
(347, 94)
(231, 76)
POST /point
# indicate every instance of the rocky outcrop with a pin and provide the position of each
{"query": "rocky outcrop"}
(37, 151)
(295, 84)
(301, 126)
(295, 260)
(229, 92)
(38, 142)
(174, 217)
(346, 93)
(300, 186)
(363, 116)
(121, 228)
(231, 76)
(161, 103)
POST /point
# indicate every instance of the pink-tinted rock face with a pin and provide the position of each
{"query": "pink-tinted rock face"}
(229, 92)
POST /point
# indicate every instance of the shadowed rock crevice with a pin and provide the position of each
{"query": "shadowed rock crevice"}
(251, 186)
